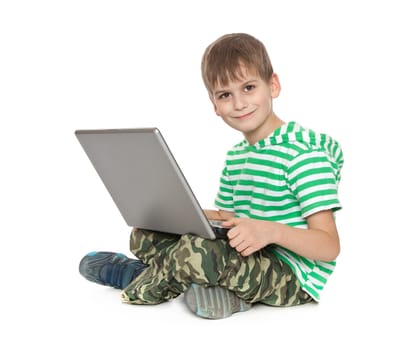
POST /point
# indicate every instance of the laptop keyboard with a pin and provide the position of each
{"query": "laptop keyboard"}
(218, 229)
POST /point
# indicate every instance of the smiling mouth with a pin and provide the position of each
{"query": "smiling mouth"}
(243, 116)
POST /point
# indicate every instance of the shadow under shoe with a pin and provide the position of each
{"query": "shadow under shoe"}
(110, 269)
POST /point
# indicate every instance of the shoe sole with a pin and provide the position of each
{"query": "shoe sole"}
(213, 302)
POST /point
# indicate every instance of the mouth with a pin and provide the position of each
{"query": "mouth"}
(243, 116)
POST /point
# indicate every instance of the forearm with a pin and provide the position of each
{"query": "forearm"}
(319, 241)
(310, 243)
(218, 214)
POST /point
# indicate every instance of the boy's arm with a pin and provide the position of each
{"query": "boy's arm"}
(218, 214)
(320, 241)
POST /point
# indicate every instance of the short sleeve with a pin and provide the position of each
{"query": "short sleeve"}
(313, 181)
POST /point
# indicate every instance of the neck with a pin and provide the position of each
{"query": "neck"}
(264, 130)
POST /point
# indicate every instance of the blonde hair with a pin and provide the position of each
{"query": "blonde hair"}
(224, 59)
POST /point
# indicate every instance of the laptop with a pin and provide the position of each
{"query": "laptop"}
(144, 180)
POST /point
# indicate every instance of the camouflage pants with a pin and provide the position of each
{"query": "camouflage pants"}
(177, 261)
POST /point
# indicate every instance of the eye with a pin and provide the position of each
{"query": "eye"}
(249, 87)
(223, 95)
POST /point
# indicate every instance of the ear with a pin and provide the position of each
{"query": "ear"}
(275, 86)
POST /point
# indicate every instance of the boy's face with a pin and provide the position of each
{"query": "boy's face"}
(246, 105)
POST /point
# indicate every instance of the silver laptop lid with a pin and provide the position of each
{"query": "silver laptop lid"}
(144, 180)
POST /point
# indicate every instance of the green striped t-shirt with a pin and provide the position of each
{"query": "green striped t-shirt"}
(288, 176)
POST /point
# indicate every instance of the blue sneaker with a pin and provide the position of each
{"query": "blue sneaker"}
(110, 269)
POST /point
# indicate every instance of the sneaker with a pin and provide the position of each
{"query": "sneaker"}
(110, 269)
(214, 302)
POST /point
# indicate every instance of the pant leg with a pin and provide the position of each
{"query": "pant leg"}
(145, 244)
(188, 259)
(276, 281)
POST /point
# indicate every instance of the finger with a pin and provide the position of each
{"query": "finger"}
(227, 223)
(234, 238)
(233, 232)
(232, 222)
(242, 246)
(248, 251)
(232, 241)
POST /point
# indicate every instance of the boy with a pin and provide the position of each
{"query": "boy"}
(278, 194)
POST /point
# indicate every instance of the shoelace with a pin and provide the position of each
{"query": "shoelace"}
(113, 273)
(119, 274)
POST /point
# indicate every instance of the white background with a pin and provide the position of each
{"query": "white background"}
(347, 68)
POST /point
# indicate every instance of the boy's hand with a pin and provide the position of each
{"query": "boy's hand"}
(248, 235)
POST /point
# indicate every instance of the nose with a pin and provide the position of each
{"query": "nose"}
(239, 103)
